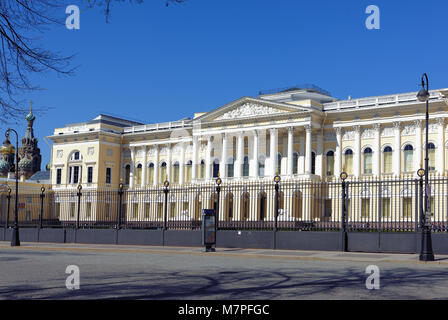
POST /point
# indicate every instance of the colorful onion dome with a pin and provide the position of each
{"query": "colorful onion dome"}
(7, 147)
(25, 164)
(4, 166)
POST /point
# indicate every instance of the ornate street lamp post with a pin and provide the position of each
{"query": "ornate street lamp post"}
(426, 253)
(15, 241)
(166, 189)
(343, 177)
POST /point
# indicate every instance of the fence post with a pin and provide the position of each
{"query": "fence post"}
(79, 194)
(276, 180)
(42, 196)
(9, 203)
(166, 184)
(344, 212)
(218, 191)
(120, 204)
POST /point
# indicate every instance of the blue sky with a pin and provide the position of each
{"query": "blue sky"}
(154, 63)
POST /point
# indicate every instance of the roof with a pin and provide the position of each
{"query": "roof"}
(40, 176)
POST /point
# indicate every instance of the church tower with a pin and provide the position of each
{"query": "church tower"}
(29, 154)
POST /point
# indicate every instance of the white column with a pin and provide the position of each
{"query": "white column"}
(397, 149)
(440, 145)
(194, 161)
(301, 154)
(208, 161)
(376, 150)
(273, 151)
(319, 153)
(145, 164)
(156, 165)
(308, 130)
(357, 151)
(338, 153)
(168, 165)
(290, 150)
(255, 159)
(182, 163)
(131, 178)
(122, 171)
(223, 163)
(418, 163)
(239, 156)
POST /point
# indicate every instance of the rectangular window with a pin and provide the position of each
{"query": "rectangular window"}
(135, 210)
(407, 207)
(365, 208)
(70, 170)
(57, 209)
(107, 210)
(58, 176)
(72, 209)
(328, 208)
(89, 174)
(385, 207)
(172, 209)
(108, 175)
(147, 210)
(75, 174)
(88, 209)
(160, 210)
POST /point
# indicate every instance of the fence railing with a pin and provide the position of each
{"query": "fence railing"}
(382, 205)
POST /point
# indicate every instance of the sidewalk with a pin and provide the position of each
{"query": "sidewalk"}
(230, 252)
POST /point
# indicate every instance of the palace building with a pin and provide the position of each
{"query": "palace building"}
(297, 133)
(302, 134)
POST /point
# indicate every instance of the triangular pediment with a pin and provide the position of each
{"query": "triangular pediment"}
(246, 107)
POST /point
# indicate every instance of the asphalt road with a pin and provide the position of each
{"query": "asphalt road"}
(140, 273)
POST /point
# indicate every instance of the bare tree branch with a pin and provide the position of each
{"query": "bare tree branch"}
(22, 54)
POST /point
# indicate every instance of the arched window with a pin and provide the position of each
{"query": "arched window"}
(138, 175)
(279, 164)
(197, 206)
(348, 161)
(163, 174)
(127, 177)
(215, 168)
(188, 171)
(261, 164)
(367, 160)
(246, 166)
(330, 163)
(313, 162)
(202, 170)
(75, 169)
(230, 167)
(432, 156)
(262, 201)
(151, 173)
(229, 206)
(245, 205)
(281, 200)
(297, 204)
(295, 163)
(176, 172)
(408, 157)
(75, 156)
(387, 160)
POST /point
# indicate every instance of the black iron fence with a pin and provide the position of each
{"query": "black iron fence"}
(382, 205)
